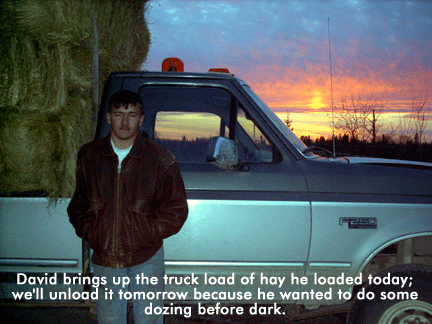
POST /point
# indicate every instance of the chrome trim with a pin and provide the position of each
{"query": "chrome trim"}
(330, 264)
(233, 264)
(6, 262)
(192, 202)
(34, 199)
(263, 197)
(367, 204)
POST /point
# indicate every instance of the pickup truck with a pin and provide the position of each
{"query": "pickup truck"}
(262, 206)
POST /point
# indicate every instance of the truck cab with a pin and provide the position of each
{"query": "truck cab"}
(261, 202)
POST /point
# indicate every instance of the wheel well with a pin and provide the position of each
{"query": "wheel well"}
(405, 251)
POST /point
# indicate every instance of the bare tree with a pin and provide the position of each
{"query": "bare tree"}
(373, 124)
(349, 120)
(412, 127)
(420, 118)
(288, 121)
(360, 118)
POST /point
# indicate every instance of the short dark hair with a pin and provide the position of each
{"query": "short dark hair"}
(124, 98)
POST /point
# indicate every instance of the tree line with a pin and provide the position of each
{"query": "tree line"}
(361, 131)
(382, 148)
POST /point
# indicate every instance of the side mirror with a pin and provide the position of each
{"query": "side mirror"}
(223, 153)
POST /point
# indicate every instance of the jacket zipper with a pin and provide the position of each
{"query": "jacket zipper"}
(117, 230)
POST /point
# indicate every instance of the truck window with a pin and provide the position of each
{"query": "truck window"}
(253, 144)
(186, 134)
(186, 117)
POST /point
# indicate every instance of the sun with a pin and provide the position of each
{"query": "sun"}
(316, 101)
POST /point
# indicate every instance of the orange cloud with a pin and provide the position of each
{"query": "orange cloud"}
(305, 91)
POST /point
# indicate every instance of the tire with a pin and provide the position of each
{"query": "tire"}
(385, 308)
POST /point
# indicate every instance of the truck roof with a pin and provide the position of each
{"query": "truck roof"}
(157, 74)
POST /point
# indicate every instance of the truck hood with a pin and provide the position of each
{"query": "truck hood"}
(346, 176)
(388, 162)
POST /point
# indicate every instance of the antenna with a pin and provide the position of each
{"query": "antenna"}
(331, 89)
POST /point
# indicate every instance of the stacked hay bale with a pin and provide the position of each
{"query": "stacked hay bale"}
(46, 111)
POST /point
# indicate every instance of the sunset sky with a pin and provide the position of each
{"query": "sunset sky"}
(380, 49)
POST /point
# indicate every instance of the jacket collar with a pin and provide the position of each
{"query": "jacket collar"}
(136, 151)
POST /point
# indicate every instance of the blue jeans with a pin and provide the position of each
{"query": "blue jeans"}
(114, 311)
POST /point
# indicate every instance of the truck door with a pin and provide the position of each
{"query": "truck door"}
(252, 219)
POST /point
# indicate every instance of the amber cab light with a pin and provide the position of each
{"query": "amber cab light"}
(172, 64)
(220, 70)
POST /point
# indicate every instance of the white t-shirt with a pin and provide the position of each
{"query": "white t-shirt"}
(120, 153)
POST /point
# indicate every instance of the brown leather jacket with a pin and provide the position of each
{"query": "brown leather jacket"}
(125, 216)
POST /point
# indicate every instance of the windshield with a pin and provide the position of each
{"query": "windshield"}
(277, 121)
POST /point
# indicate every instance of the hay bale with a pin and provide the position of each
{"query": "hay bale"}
(122, 21)
(38, 152)
(33, 137)
(45, 83)
(41, 59)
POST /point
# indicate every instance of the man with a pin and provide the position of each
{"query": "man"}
(129, 196)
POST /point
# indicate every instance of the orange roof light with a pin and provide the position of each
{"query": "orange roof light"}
(220, 70)
(172, 64)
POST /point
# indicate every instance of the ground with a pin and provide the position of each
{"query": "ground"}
(82, 315)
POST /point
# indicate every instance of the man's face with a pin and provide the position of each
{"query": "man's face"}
(125, 121)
